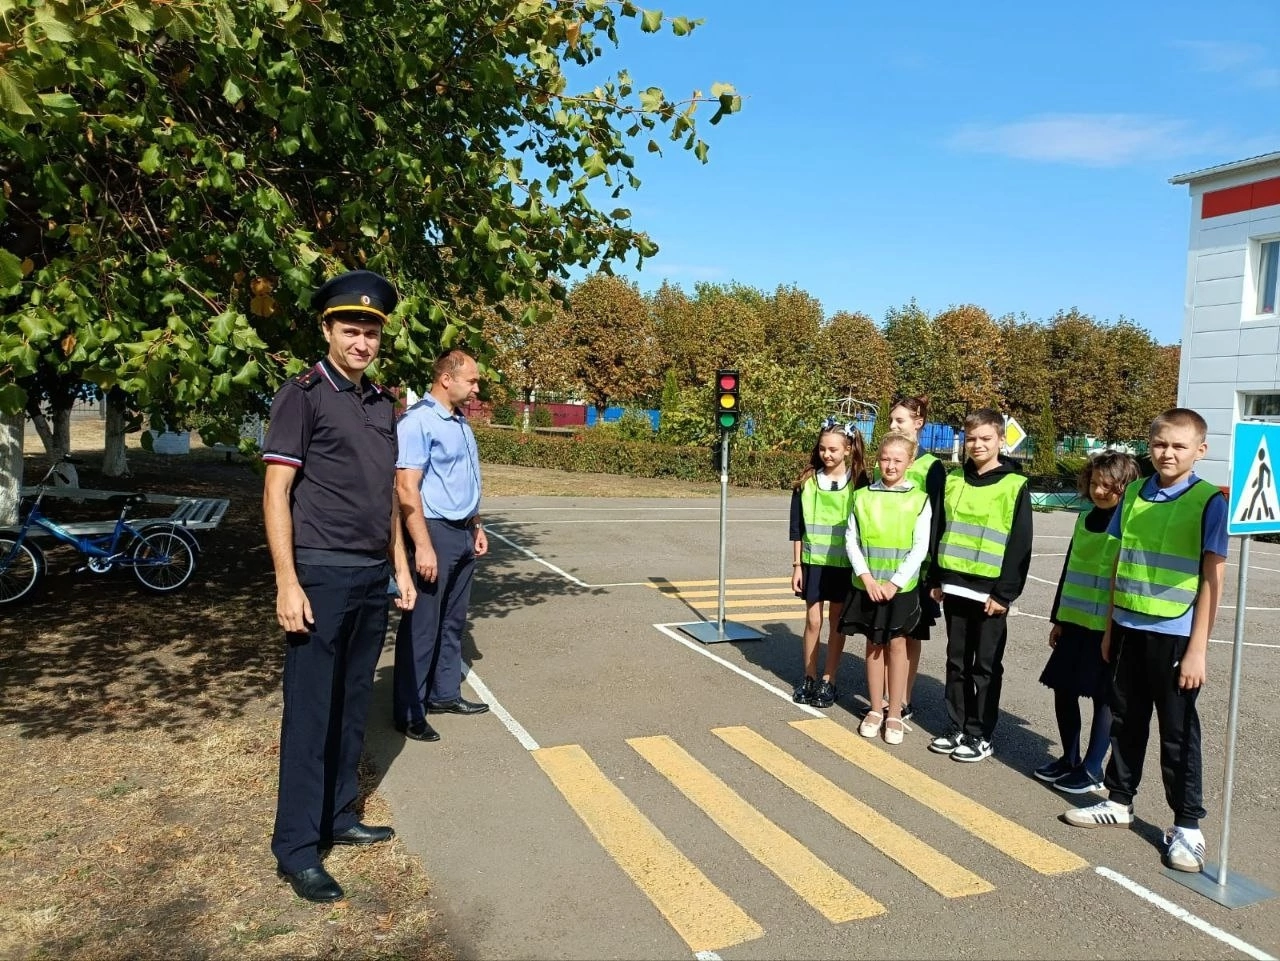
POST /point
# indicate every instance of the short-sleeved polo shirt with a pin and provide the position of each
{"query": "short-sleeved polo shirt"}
(439, 442)
(341, 438)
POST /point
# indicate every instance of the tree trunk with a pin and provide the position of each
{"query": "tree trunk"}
(114, 462)
(11, 428)
(62, 430)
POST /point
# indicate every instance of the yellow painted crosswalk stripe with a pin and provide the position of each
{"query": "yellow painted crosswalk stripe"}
(932, 867)
(701, 913)
(767, 602)
(663, 585)
(789, 615)
(1037, 853)
(793, 863)
(756, 592)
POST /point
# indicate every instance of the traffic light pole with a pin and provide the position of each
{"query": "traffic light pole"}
(722, 630)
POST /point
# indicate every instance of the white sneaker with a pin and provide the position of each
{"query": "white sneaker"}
(1102, 814)
(946, 743)
(972, 749)
(1184, 849)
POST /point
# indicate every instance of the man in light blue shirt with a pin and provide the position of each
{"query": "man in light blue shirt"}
(438, 485)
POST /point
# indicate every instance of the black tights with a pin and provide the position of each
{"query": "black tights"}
(1067, 707)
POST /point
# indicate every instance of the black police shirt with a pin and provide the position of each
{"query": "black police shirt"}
(342, 440)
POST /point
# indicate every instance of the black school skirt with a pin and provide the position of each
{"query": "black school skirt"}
(824, 582)
(880, 621)
(1076, 666)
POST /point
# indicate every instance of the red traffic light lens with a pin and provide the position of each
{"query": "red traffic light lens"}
(728, 381)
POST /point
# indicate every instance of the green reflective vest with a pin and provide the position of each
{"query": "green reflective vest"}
(826, 518)
(1161, 543)
(918, 472)
(1086, 583)
(886, 527)
(976, 524)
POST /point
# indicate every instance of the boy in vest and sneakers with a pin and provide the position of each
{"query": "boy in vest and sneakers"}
(980, 568)
(1172, 529)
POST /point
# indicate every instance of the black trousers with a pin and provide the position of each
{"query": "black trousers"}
(1145, 678)
(428, 664)
(975, 664)
(328, 683)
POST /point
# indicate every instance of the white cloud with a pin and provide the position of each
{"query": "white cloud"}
(1250, 63)
(1093, 140)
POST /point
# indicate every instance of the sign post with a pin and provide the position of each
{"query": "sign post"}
(727, 416)
(1254, 509)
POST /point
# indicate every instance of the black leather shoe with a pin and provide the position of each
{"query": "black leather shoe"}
(420, 731)
(314, 885)
(364, 834)
(456, 707)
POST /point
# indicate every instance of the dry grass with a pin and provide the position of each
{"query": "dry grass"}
(139, 739)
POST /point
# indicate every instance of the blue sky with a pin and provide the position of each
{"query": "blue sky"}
(1011, 155)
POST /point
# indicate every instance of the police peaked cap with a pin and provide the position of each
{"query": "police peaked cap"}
(355, 292)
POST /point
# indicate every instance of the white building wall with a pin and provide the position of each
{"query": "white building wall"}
(1226, 350)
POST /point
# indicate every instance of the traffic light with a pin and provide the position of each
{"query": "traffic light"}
(728, 403)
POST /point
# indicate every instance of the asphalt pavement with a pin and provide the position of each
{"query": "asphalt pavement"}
(638, 794)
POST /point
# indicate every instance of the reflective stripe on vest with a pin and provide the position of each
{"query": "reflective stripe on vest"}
(1086, 585)
(886, 528)
(977, 524)
(1160, 550)
(826, 518)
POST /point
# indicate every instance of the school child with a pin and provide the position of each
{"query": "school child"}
(908, 416)
(982, 558)
(1075, 668)
(1165, 594)
(888, 537)
(819, 566)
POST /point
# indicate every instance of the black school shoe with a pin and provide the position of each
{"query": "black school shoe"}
(1050, 772)
(825, 695)
(803, 693)
(315, 885)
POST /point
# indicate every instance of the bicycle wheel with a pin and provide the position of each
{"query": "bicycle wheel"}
(163, 560)
(20, 570)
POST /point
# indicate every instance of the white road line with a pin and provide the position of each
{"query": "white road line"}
(707, 956)
(1212, 640)
(675, 635)
(1182, 914)
(532, 556)
(777, 519)
(511, 724)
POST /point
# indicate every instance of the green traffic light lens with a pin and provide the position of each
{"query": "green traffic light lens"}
(729, 420)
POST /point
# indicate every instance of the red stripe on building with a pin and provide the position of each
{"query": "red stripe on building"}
(1233, 200)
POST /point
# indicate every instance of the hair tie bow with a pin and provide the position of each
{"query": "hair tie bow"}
(848, 428)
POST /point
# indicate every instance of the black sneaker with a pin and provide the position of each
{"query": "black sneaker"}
(908, 711)
(803, 693)
(1054, 769)
(947, 743)
(1078, 781)
(825, 695)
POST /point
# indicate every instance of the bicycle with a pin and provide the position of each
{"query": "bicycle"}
(162, 555)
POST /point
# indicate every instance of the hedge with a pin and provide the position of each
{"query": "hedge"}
(589, 451)
(581, 452)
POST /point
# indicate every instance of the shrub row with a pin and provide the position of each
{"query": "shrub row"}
(601, 451)
(583, 452)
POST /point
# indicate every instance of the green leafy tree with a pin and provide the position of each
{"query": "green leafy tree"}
(969, 350)
(1077, 353)
(913, 346)
(1044, 459)
(179, 176)
(1022, 371)
(855, 358)
(883, 412)
(608, 342)
(791, 319)
(719, 327)
(670, 400)
(1132, 380)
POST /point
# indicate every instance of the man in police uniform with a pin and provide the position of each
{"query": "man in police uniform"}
(333, 528)
(438, 483)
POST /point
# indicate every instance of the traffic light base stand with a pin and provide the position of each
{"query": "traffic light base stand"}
(713, 632)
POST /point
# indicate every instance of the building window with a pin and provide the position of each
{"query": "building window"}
(1268, 276)
(1260, 406)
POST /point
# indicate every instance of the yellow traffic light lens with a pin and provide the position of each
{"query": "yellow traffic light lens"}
(729, 402)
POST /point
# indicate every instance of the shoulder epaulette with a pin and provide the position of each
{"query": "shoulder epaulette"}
(309, 378)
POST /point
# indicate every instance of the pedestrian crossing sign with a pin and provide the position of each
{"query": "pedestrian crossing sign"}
(1255, 501)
